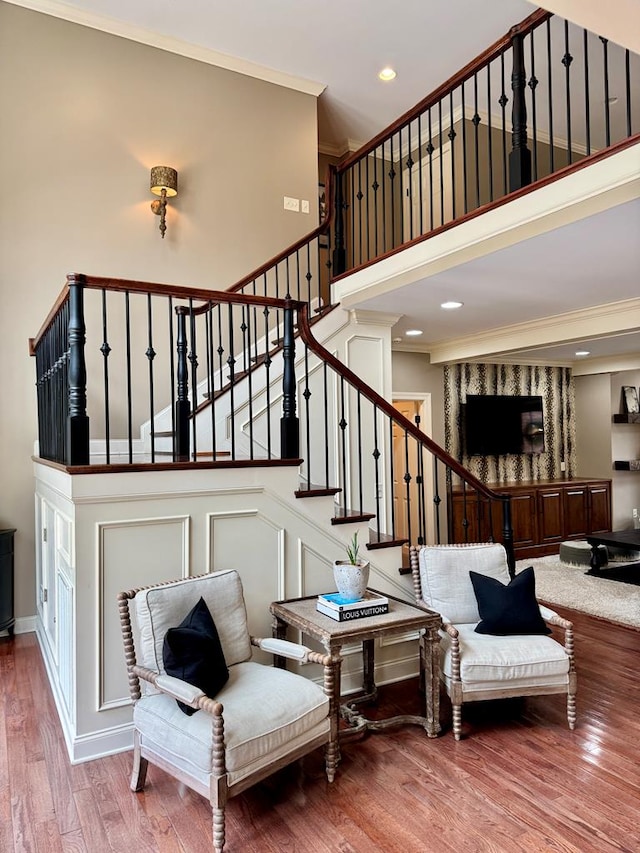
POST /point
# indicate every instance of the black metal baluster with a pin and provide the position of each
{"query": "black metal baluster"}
(339, 259)
(151, 354)
(267, 380)
(550, 97)
(440, 137)
(376, 461)
(172, 379)
(607, 110)
(489, 133)
(127, 314)
(407, 479)
(420, 493)
(465, 200)
(384, 203)
(307, 415)
(437, 500)
(243, 328)
(220, 350)
(392, 481)
(359, 430)
(392, 188)
(210, 376)
(587, 106)
(627, 80)
(326, 427)
(250, 387)
(343, 430)
(401, 188)
(430, 150)
(105, 349)
(231, 363)
(352, 196)
(567, 59)
(452, 136)
(367, 223)
(465, 517)
(476, 122)
(420, 177)
(375, 186)
(309, 276)
(408, 193)
(478, 502)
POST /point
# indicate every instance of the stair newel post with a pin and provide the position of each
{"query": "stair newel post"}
(339, 258)
(182, 407)
(289, 426)
(77, 437)
(520, 156)
(507, 534)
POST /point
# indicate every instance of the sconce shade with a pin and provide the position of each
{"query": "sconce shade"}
(164, 178)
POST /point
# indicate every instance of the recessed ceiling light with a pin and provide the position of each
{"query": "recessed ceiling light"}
(582, 352)
(612, 100)
(387, 74)
(413, 333)
(449, 306)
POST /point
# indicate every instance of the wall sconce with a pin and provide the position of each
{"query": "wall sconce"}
(164, 182)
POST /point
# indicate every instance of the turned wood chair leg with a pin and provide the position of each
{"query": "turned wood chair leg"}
(140, 764)
(571, 710)
(457, 721)
(218, 830)
(332, 759)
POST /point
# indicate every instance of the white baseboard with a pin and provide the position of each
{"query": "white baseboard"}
(23, 625)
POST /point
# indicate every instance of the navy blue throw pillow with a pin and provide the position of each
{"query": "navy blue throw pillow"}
(193, 653)
(510, 609)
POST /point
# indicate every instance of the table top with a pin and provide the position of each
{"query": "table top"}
(621, 538)
(301, 613)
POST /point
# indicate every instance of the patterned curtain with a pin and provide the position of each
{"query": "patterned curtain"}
(553, 384)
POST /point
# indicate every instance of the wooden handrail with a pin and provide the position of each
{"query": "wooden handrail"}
(123, 285)
(531, 22)
(315, 346)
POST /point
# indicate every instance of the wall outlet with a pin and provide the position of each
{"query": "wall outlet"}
(304, 205)
(563, 466)
(292, 204)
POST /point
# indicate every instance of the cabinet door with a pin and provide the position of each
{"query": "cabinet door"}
(575, 500)
(524, 519)
(466, 519)
(599, 517)
(550, 516)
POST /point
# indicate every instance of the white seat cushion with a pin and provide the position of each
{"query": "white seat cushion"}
(522, 661)
(268, 712)
(444, 576)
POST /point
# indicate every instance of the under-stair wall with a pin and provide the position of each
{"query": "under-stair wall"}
(103, 533)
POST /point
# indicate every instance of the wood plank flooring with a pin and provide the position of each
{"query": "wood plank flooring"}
(519, 781)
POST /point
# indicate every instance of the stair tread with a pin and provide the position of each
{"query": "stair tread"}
(314, 491)
(384, 540)
(348, 516)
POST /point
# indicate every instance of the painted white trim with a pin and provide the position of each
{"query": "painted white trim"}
(101, 527)
(170, 44)
(22, 625)
(101, 744)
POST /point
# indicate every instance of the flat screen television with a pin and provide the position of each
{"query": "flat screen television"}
(499, 424)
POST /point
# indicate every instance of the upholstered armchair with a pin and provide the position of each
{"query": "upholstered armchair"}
(508, 662)
(261, 719)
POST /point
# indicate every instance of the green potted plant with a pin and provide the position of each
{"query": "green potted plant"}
(352, 575)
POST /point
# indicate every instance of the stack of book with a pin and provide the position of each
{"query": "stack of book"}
(343, 609)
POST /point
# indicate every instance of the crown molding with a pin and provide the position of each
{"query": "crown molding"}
(599, 320)
(347, 146)
(170, 44)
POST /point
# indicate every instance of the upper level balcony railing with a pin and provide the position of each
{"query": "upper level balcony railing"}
(543, 98)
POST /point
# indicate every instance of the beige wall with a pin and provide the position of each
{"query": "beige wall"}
(84, 117)
(412, 373)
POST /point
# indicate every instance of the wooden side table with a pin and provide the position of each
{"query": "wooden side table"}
(301, 613)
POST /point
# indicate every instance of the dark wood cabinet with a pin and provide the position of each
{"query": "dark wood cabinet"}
(7, 619)
(544, 513)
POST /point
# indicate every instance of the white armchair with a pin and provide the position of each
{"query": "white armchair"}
(262, 719)
(477, 666)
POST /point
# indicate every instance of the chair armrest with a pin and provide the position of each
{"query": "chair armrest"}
(449, 629)
(180, 690)
(286, 649)
(552, 618)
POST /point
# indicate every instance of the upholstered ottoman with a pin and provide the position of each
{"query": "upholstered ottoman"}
(578, 553)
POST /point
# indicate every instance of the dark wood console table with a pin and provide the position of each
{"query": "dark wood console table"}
(544, 513)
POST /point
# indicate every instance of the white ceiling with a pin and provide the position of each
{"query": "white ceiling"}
(337, 47)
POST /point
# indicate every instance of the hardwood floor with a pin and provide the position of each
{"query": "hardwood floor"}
(520, 780)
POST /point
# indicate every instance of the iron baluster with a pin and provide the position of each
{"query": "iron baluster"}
(105, 349)
(520, 156)
(267, 381)
(452, 136)
(129, 390)
(376, 460)
(407, 479)
(567, 59)
(550, 95)
(489, 133)
(476, 122)
(503, 100)
(151, 354)
(231, 362)
(627, 80)
(339, 260)
(607, 111)
(172, 380)
(182, 406)
(533, 85)
(465, 199)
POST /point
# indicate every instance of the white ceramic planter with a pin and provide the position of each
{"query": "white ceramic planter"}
(351, 579)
